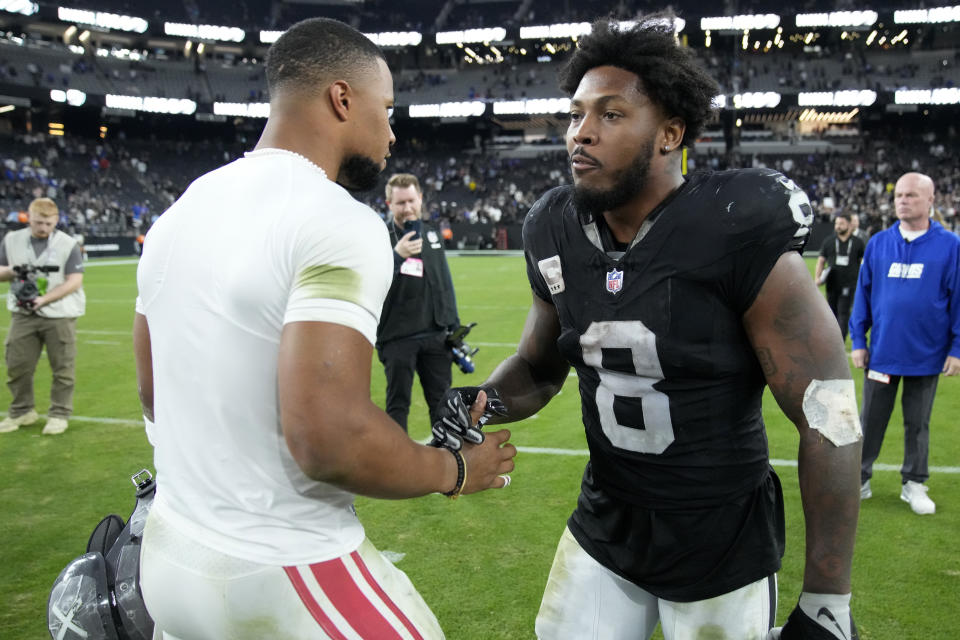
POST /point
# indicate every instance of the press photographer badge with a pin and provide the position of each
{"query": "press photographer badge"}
(412, 267)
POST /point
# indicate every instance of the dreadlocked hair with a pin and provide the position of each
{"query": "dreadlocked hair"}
(669, 74)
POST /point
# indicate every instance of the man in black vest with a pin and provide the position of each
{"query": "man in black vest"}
(837, 267)
(420, 308)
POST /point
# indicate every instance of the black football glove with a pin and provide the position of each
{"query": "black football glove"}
(832, 619)
(454, 425)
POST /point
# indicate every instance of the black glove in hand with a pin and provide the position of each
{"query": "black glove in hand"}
(819, 617)
(455, 426)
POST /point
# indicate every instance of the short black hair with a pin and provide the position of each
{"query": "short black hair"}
(842, 214)
(317, 51)
(670, 74)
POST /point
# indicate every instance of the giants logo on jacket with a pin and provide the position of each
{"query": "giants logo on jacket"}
(910, 271)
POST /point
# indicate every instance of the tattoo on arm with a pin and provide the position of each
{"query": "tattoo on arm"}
(766, 362)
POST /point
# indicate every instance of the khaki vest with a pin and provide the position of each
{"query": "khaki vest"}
(20, 251)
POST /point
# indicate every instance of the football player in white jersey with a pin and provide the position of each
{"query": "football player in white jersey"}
(260, 290)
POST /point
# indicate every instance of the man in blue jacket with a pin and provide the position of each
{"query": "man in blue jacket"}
(908, 297)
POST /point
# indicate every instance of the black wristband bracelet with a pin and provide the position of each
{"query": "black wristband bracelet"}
(461, 475)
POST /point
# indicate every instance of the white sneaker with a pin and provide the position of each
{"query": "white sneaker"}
(55, 426)
(12, 424)
(915, 493)
(865, 491)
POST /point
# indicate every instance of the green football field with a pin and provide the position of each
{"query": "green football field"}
(480, 562)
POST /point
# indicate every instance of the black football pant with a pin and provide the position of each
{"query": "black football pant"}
(878, 401)
(840, 305)
(430, 357)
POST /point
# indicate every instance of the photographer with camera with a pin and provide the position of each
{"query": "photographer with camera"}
(45, 269)
(420, 310)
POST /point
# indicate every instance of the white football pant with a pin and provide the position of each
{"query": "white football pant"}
(584, 600)
(194, 592)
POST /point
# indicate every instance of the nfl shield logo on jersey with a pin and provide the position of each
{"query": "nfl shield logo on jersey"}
(614, 281)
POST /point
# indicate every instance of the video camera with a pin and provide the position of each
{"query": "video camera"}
(462, 353)
(28, 283)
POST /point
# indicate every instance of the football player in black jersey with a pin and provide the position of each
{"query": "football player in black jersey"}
(677, 300)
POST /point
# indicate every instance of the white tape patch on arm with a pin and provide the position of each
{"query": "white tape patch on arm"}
(830, 407)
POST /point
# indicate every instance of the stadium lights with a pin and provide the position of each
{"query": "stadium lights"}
(204, 31)
(448, 110)
(269, 37)
(102, 20)
(936, 15)
(73, 97)
(538, 106)
(396, 38)
(574, 30)
(834, 117)
(23, 7)
(851, 98)
(559, 30)
(242, 109)
(837, 19)
(383, 39)
(123, 54)
(756, 100)
(495, 34)
(740, 23)
(678, 24)
(945, 95)
(83, 37)
(7, 108)
(152, 105)
(719, 102)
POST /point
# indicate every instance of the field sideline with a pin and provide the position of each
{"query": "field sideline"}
(480, 562)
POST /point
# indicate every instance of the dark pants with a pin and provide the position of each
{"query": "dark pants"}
(840, 305)
(878, 401)
(25, 341)
(430, 357)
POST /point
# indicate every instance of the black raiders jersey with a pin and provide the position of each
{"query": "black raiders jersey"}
(669, 383)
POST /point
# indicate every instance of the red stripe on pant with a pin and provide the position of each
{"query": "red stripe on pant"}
(386, 599)
(353, 604)
(312, 605)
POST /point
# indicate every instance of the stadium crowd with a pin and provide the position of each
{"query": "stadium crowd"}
(120, 187)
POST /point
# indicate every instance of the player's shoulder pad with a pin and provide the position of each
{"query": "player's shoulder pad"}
(550, 205)
(765, 199)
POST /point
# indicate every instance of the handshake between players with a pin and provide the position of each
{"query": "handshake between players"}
(483, 460)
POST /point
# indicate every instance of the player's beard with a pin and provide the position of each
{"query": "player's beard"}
(628, 183)
(358, 173)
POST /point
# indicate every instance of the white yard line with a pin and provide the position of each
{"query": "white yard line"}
(550, 451)
(109, 263)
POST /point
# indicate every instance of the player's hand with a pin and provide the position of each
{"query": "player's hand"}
(407, 246)
(860, 357)
(818, 616)
(488, 463)
(462, 414)
(951, 366)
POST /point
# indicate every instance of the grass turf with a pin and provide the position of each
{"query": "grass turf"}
(480, 562)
